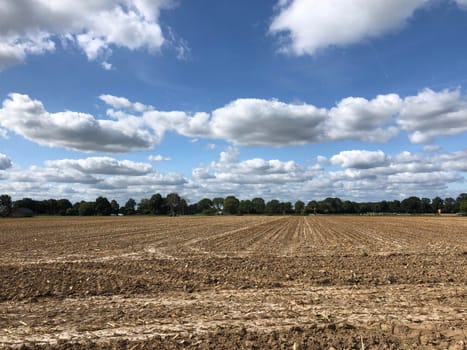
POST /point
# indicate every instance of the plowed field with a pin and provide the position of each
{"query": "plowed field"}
(234, 282)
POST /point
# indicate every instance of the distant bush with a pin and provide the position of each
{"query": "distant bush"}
(463, 207)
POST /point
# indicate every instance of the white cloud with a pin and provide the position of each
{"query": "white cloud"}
(268, 122)
(72, 130)
(102, 165)
(366, 175)
(158, 158)
(431, 148)
(228, 169)
(453, 161)
(462, 4)
(5, 162)
(430, 114)
(40, 175)
(124, 103)
(3, 134)
(31, 26)
(249, 122)
(310, 25)
(360, 159)
(359, 119)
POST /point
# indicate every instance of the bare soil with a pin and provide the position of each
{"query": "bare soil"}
(234, 283)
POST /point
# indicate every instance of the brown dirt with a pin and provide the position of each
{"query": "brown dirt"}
(234, 283)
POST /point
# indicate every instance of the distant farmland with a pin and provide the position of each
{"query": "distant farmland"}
(233, 282)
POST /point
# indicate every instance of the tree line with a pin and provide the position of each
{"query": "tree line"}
(172, 204)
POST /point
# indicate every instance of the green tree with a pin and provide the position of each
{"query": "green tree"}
(5, 205)
(258, 205)
(62, 206)
(450, 205)
(286, 208)
(231, 205)
(437, 203)
(463, 207)
(348, 207)
(425, 205)
(103, 206)
(462, 197)
(173, 201)
(156, 204)
(183, 207)
(411, 205)
(299, 207)
(246, 206)
(205, 206)
(87, 208)
(218, 203)
(115, 206)
(144, 206)
(273, 207)
(311, 207)
(129, 207)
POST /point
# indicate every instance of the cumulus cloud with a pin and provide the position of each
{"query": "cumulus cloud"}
(312, 25)
(102, 165)
(41, 175)
(134, 126)
(158, 158)
(359, 119)
(79, 131)
(228, 169)
(430, 114)
(5, 162)
(360, 159)
(32, 26)
(453, 161)
(268, 122)
(88, 178)
(123, 103)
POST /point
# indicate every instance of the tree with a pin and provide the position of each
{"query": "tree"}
(5, 205)
(205, 206)
(258, 205)
(425, 205)
(129, 208)
(218, 203)
(311, 207)
(437, 203)
(103, 206)
(231, 205)
(348, 207)
(115, 206)
(273, 207)
(330, 206)
(173, 201)
(144, 206)
(286, 208)
(183, 207)
(245, 206)
(462, 197)
(450, 205)
(87, 208)
(463, 207)
(156, 204)
(299, 207)
(62, 206)
(411, 205)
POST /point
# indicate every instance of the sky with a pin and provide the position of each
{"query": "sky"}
(287, 99)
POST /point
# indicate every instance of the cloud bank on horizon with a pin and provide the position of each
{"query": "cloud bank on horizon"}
(386, 145)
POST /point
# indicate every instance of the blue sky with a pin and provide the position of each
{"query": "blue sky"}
(288, 99)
